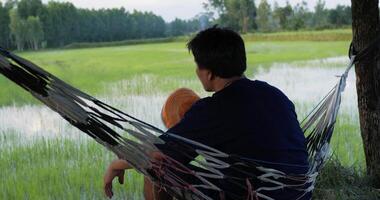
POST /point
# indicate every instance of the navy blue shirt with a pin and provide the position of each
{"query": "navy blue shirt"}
(251, 119)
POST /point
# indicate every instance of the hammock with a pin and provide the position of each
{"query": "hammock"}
(136, 141)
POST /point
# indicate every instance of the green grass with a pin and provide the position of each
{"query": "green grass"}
(339, 182)
(59, 169)
(347, 143)
(90, 69)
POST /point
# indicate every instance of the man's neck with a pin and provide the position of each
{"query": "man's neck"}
(222, 83)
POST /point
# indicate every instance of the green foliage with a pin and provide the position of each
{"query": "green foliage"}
(26, 32)
(320, 17)
(119, 43)
(60, 23)
(18, 29)
(180, 27)
(4, 26)
(340, 16)
(283, 15)
(63, 24)
(264, 16)
(301, 17)
(236, 14)
(28, 8)
(35, 33)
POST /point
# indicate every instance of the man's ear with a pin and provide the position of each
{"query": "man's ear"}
(210, 75)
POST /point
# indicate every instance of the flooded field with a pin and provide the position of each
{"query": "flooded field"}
(34, 129)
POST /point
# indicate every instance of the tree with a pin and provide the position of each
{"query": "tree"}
(340, 16)
(283, 15)
(236, 14)
(248, 13)
(35, 33)
(4, 27)
(177, 27)
(232, 16)
(28, 8)
(365, 27)
(320, 17)
(300, 16)
(264, 16)
(60, 23)
(10, 4)
(18, 29)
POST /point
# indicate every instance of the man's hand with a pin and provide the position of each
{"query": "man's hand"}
(116, 169)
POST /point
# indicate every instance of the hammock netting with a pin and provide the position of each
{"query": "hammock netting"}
(137, 142)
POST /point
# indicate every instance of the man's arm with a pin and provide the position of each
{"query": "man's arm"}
(115, 169)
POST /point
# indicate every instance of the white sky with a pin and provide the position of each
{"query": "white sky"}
(170, 9)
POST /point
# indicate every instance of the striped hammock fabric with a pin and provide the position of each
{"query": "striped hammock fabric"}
(136, 141)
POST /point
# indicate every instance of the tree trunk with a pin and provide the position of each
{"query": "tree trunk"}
(245, 24)
(365, 26)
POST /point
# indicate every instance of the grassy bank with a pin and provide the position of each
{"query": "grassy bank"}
(120, 43)
(338, 182)
(322, 35)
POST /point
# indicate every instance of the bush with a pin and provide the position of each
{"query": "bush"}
(119, 43)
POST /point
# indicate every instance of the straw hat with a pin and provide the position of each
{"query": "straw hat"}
(176, 105)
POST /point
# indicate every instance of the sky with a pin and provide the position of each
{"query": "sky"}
(171, 9)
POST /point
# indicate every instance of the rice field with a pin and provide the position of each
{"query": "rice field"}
(43, 157)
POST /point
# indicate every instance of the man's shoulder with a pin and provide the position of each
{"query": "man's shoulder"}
(202, 106)
(254, 88)
(251, 85)
(261, 84)
(269, 88)
(203, 102)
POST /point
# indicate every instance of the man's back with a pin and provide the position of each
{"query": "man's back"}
(250, 119)
(258, 121)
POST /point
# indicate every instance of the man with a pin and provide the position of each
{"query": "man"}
(248, 118)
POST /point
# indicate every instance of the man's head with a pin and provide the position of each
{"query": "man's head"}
(219, 54)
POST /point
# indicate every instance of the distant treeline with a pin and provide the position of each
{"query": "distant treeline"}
(31, 24)
(245, 16)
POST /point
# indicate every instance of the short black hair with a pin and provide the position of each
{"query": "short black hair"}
(220, 50)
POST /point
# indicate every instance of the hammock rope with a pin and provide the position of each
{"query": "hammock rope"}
(136, 141)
